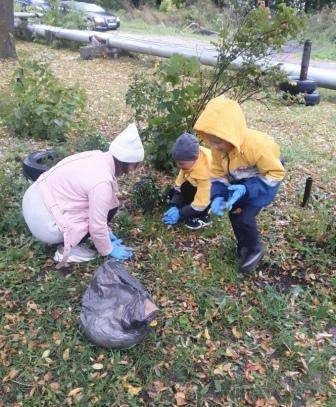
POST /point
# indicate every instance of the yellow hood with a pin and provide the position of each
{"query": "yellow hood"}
(225, 119)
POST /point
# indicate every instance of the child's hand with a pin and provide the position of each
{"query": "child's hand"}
(217, 206)
(238, 192)
(171, 216)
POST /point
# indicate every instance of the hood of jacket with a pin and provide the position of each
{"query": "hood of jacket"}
(224, 119)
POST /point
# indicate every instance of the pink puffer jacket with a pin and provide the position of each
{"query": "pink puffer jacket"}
(79, 191)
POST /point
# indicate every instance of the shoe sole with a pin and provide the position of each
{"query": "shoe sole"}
(71, 259)
(253, 265)
(202, 225)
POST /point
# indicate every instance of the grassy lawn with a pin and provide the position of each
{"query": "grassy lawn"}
(220, 340)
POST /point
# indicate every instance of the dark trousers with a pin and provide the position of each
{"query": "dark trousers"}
(110, 215)
(244, 225)
(186, 197)
(188, 192)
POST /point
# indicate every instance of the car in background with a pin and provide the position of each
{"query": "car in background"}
(38, 5)
(98, 18)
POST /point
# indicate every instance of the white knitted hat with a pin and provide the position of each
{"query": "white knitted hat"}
(127, 146)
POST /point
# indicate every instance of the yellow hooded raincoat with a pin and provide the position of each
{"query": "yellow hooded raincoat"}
(255, 160)
(199, 177)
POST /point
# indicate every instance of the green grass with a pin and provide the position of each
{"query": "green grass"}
(327, 52)
(220, 339)
(321, 30)
(139, 26)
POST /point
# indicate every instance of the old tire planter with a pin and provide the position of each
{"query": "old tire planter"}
(37, 163)
(312, 99)
(294, 86)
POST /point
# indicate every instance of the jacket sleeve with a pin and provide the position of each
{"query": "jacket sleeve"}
(263, 187)
(219, 188)
(99, 206)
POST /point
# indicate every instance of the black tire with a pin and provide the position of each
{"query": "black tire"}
(312, 99)
(32, 165)
(295, 86)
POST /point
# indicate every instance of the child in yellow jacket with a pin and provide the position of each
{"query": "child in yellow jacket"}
(190, 201)
(246, 173)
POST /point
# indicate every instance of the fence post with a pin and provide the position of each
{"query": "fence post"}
(305, 60)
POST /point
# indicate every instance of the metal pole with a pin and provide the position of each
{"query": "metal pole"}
(305, 60)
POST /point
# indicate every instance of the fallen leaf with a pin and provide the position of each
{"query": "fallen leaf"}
(159, 386)
(236, 333)
(231, 354)
(180, 398)
(304, 365)
(10, 376)
(292, 374)
(275, 364)
(271, 402)
(56, 338)
(46, 354)
(32, 391)
(249, 376)
(74, 392)
(206, 334)
(100, 357)
(98, 366)
(323, 335)
(47, 377)
(54, 386)
(332, 382)
(66, 354)
(256, 367)
(133, 390)
(219, 370)
(248, 399)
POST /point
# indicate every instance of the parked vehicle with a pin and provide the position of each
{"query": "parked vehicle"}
(98, 18)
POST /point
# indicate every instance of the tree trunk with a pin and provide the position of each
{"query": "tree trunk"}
(7, 42)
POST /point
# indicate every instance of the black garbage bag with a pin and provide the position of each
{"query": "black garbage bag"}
(116, 309)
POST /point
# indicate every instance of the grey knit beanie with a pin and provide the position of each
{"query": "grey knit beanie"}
(186, 148)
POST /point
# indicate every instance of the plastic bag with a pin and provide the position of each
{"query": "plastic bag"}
(116, 309)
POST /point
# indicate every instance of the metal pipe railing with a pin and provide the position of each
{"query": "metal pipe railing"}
(324, 78)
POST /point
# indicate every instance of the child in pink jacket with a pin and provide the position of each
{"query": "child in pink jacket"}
(77, 197)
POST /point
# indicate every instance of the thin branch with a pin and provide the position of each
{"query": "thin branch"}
(22, 384)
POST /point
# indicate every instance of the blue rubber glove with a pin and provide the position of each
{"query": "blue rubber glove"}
(238, 192)
(114, 239)
(171, 211)
(172, 216)
(121, 252)
(217, 206)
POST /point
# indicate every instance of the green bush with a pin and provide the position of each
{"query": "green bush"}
(111, 4)
(322, 26)
(94, 141)
(146, 195)
(166, 105)
(40, 106)
(12, 189)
